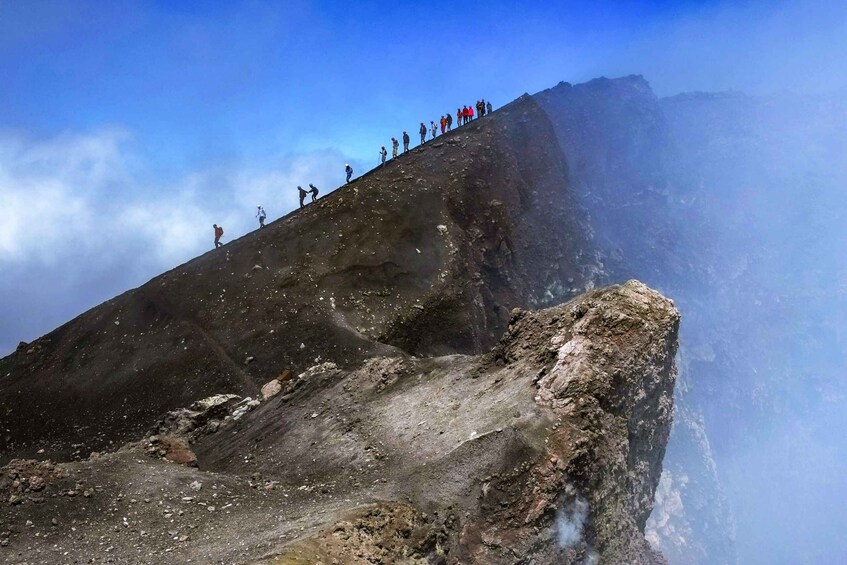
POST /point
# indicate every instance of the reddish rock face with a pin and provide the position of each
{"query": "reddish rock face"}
(177, 451)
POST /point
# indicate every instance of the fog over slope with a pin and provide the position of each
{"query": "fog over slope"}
(767, 177)
(733, 205)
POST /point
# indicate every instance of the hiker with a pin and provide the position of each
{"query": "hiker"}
(313, 192)
(434, 129)
(405, 142)
(349, 170)
(302, 195)
(395, 145)
(488, 109)
(423, 133)
(382, 155)
(470, 113)
(449, 121)
(261, 215)
(443, 125)
(465, 115)
(458, 117)
(480, 108)
(218, 233)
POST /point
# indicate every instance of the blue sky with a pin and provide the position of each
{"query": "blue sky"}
(127, 128)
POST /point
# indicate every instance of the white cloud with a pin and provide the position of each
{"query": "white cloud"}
(81, 206)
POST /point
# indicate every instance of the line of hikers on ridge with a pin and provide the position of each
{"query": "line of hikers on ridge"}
(464, 115)
(262, 215)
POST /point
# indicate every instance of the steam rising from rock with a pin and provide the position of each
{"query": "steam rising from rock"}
(570, 518)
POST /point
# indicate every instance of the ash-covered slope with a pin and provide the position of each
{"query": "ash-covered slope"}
(428, 253)
(547, 449)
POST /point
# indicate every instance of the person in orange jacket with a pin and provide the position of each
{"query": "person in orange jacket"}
(458, 117)
(219, 231)
(470, 113)
(443, 124)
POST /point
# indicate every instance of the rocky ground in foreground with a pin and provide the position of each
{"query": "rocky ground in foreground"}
(546, 449)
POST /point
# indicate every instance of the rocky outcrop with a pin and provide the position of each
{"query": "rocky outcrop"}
(548, 448)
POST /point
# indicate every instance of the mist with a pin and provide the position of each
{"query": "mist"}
(762, 195)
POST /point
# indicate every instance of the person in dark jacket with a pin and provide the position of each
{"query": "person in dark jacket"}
(395, 147)
(349, 170)
(219, 231)
(488, 109)
(423, 133)
(303, 194)
(313, 192)
(449, 121)
(405, 142)
(383, 153)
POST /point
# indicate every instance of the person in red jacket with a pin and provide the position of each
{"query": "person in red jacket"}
(218, 233)
(465, 114)
(443, 124)
(470, 113)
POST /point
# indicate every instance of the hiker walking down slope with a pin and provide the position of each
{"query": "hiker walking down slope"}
(218, 233)
(313, 192)
(349, 170)
(423, 133)
(302, 195)
(434, 129)
(449, 121)
(405, 142)
(395, 146)
(260, 213)
(443, 124)
(383, 153)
